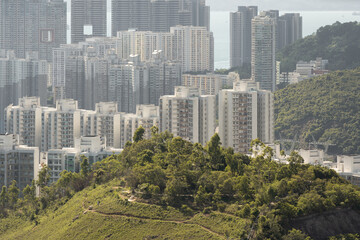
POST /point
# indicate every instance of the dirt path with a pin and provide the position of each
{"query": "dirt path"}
(156, 219)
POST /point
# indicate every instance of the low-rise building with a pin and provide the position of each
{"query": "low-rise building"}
(69, 159)
(313, 157)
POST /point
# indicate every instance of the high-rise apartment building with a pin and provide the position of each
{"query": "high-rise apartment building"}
(240, 35)
(163, 76)
(194, 48)
(245, 113)
(209, 84)
(188, 114)
(288, 27)
(144, 43)
(67, 62)
(25, 121)
(32, 25)
(130, 14)
(158, 15)
(104, 121)
(17, 162)
(57, 128)
(291, 30)
(146, 116)
(263, 47)
(95, 71)
(88, 19)
(60, 126)
(19, 78)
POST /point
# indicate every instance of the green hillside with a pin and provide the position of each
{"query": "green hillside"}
(339, 43)
(168, 188)
(325, 107)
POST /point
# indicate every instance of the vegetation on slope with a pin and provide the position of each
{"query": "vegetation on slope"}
(325, 107)
(339, 43)
(169, 188)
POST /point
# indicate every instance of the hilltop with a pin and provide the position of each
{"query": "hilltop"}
(326, 108)
(169, 188)
(339, 43)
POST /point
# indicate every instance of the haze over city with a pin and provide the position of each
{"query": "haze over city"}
(180, 119)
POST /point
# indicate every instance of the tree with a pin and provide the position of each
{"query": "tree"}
(295, 234)
(139, 134)
(216, 157)
(44, 176)
(295, 158)
(13, 194)
(85, 166)
(3, 197)
(29, 192)
(154, 131)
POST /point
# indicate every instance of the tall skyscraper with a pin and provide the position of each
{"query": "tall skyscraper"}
(32, 25)
(130, 14)
(245, 113)
(88, 19)
(292, 30)
(189, 115)
(158, 15)
(288, 27)
(240, 35)
(263, 47)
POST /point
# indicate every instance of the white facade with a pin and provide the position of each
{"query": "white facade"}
(348, 164)
(92, 147)
(192, 46)
(188, 114)
(25, 121)
(104, 121)
(60, 126)
(313, 157)
(245, 113)
(209, 84)
(146, 116)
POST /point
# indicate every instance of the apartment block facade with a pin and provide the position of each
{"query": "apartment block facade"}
(245, 113)
(17, 162)
(188, 114)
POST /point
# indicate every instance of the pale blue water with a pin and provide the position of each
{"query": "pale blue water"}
(311, 22)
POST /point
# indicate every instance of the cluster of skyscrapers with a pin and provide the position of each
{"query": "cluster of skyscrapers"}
(157, 69)
(255, 38)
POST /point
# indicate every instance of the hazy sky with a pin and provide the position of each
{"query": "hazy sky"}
(300, 5)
